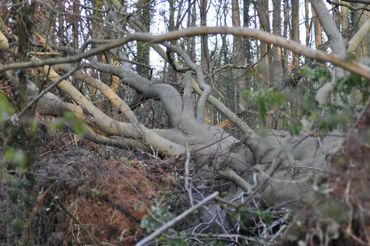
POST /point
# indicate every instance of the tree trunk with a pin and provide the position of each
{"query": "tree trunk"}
(359, 18)
(246, 23)
(264, 67)
(307, 22)
(205, 60)
(295, 29)
(238, 53)
(335, 39)
(75, 23)
(191, 19)
(276, 68)
(318, 31)
(142, 56)
(344, 17)
(3, 8)
(286, 9)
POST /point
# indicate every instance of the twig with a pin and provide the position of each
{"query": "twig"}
(271, 171)
(231, 175)
(187, 183)
(83, 226)
(212, 143)
(171, 223)
(39, 201)
(220, 236)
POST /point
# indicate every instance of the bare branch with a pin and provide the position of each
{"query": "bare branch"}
(359, 36)
(109, 93)
(200, 78)
(51, 86)
(266, 37)
(231, 175)
(226, 111)
(335, 38)
(171, 223)
(357, 1)
(349, 6)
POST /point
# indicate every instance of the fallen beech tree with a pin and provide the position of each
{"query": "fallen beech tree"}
(277, 166)
(272, 157)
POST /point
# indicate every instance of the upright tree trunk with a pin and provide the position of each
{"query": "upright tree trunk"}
(336, 15)
(143, 51)
(317, 26)
(359, 19)
(248, 53)
(344, 13)
(75, 23)
(307, 22)
(276, 68)
(264, 67)
(295, 29)
(3, 8)
(61, 23)
(246, 23)
(238, 51)
(204, 59)
(191, 19)
(285, 55)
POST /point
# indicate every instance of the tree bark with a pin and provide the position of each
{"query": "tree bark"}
(264, 67)
(360, 17)
(317, 26)
(205, 59)
(295, 29)
(238, 53)
(337, 46)
(344, 19)
(276, 68)
(142, 56)
(285, 55)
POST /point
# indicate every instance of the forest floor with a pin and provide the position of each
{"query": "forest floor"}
(94, 194)
(99, 193)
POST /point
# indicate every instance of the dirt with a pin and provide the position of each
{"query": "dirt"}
(100, 194)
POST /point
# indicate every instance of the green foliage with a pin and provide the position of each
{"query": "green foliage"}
(349, 97)
(353, 83)
(78, 126)
(309, 104)
(95, 192)
(333, 115)
(16, 158)
(334, 120)
(316, 76)
(265, 99)
(17, 225)
(16, 168)
(163, 240)
(5, 108)
(293, 127)
(247, 215)
(156, 217)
